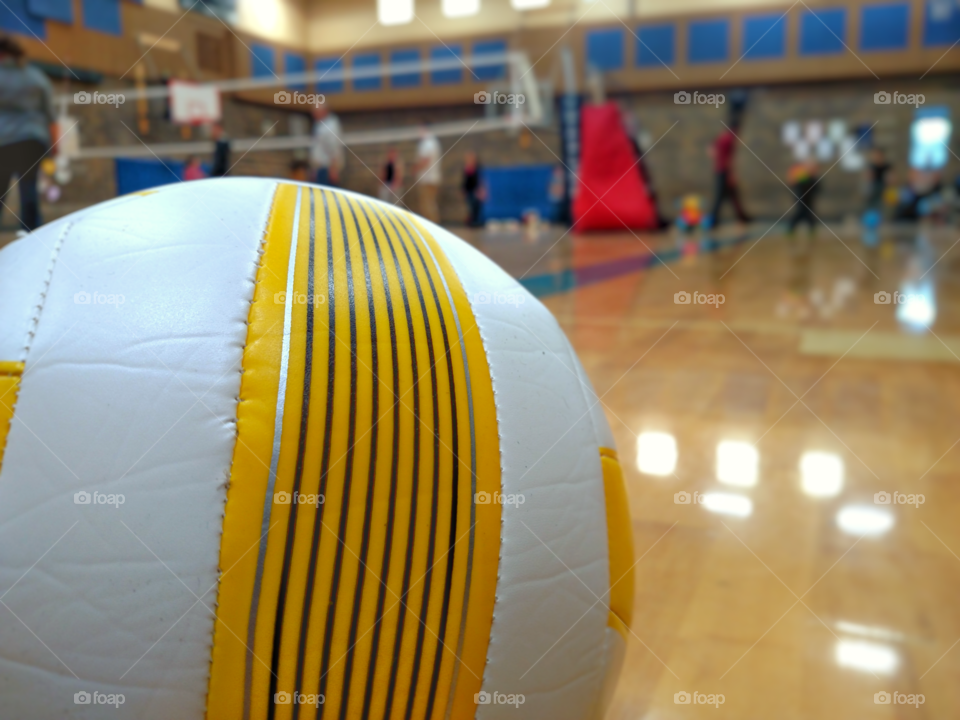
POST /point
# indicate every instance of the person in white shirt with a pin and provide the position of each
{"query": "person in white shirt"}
(429, 175)
(326, 147)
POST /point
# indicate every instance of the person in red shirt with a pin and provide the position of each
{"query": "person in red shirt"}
(726, 182)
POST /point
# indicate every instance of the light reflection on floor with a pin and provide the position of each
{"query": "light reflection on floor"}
(810, 579)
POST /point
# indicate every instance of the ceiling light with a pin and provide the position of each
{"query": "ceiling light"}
(394, 12)
(656, 453)
(460, 8)
(528, 4)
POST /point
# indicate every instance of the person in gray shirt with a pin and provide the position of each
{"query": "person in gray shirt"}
(27, 127)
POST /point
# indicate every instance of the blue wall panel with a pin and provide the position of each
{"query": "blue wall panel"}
(446, 77)
(59, 10)
(708, 41)
(764, 36)
(363, 62)
(293, 63)
(15, 18)
(941, 23)
(323, 65)
(656, 45)
(884, 27)
(262, 60)
(405, 80)
(605, 49)
(490, 72)
(823, 32)
(102, 16)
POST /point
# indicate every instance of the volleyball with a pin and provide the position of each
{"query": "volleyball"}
(276, 450)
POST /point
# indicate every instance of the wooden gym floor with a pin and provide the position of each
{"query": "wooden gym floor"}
(781, 607)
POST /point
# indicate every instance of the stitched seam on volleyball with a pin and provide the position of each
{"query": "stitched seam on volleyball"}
(500, 441)
(35, 318)
(253, 283)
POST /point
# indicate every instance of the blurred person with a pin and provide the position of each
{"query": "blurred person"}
(391, 177)
(722, 152)
(28, 128)
(557, 194)
(300, 171)
(221, 151)
(326, 147)
(473, 189)
(635, 135)
(429, 175)
(193, 170)
(922, 195)
(877, 170)
(803, 179)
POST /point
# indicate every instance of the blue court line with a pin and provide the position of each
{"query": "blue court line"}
(566, 280)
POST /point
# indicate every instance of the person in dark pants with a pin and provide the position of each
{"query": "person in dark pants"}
(27, 128)
(221, 152)
(726, 183)
(803, 181)
(472, 189)
(878, 170)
